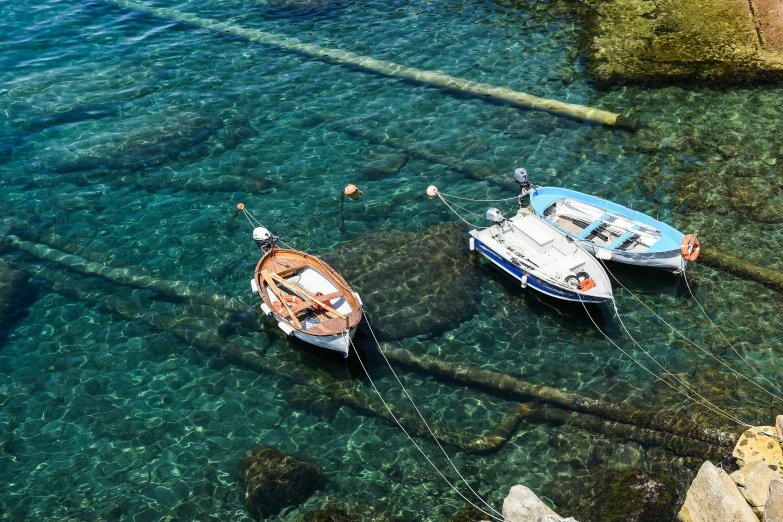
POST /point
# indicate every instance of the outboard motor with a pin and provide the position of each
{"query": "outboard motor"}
(495, 216)
(264, 239)
(521, 178)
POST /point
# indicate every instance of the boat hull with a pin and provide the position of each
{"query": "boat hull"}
(670, 260)
(531, 280)
(338, 343)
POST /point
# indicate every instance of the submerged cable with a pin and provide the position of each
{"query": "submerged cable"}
(723, 336)
(718, 360)
(501, 519)
(424, 420)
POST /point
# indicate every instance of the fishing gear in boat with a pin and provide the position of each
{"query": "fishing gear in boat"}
(308, 298)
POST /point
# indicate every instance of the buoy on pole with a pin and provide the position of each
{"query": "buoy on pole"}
(353, 193)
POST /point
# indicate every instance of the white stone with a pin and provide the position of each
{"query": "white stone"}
(753, 482)
(522, 505)
(714, 497)
(773, 511)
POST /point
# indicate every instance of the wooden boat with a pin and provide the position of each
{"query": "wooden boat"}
(541, 257)
(308, 298)
(614, 232)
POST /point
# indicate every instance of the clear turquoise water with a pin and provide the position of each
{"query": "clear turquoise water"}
(129, 138)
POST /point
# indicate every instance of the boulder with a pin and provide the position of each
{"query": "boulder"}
(713, 496)
(273, 480)
(773, 510)
(411, 283)
(522, 505)
(779, 426)
(753, 482)
(761, 444)
(609, 495)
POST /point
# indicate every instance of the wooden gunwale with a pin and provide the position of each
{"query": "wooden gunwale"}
(285, 262)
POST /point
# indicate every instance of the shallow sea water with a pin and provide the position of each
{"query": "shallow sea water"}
(129, 138)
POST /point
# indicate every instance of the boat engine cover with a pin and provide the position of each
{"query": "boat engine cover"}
(261, 234)
(495, 215)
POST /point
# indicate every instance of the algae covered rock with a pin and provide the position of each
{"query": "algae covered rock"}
(411, 283)
(664, 41)
(615, 496)
(273, 480)
(327, 513)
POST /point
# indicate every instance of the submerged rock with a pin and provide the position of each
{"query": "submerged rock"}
(411, 283)
(469, 514)
(714, 496)
(12, 283)
(615, 496)
(327, 513)
(383, 163)
(273, 480)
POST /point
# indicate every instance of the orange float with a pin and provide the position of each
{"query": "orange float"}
(690, 254)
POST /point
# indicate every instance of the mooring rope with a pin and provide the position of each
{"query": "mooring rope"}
(478, 200)
(439, 472)
(471, 225)
(705, 402)
(685, 277)
(425, 420)
(653, 374)
(675, 330)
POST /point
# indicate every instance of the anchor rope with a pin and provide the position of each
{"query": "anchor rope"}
(501, 519)
(685, 277)
(683, 336)
(380, 349)
(643, 367)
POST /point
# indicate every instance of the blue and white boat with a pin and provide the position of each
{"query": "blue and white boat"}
(614, 232)
(541, 257)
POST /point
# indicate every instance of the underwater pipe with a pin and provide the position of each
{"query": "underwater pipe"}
(393, 70)
(632, 420)
(124, 276)
(487, 443)
(204, 336)
(742, 267)
(500, 382)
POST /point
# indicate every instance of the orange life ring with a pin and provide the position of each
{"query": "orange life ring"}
(293, 299)
(693, 254)
(587, 284)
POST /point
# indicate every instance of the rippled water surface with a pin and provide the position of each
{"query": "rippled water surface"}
(129, 137)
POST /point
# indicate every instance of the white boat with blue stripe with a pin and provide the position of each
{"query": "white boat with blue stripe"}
(541, 257)
(614, 232)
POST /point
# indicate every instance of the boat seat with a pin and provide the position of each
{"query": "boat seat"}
(620, 240)
(322, 298)
(595, 224)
